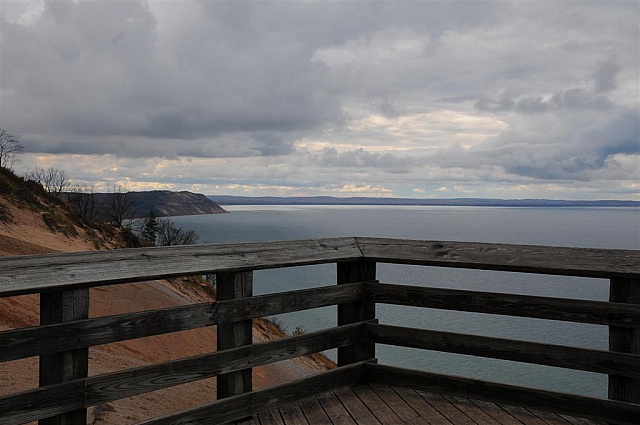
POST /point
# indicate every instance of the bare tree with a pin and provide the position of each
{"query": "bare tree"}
(9, 147)
(118, 204)
(83, 198)
(37, 174)
(59, 181)
(169, 234)
(53, 180)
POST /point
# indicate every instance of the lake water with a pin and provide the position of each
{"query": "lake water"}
(580, 227)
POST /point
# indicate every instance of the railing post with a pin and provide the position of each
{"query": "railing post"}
(350, 272)
(625, 340)
(231, 335)
(59, 307)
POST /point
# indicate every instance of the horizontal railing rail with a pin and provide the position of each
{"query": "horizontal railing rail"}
(562, 309)
(94, 390)
(66, 332)
(38, 340)
(562, 261)
(599, 361)
(33, 274)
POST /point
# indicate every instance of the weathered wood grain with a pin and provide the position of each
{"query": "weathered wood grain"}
(582, 311)
(356, 408)
(622, 387)
(60, 307)
(292, 414)
(32, 274)
(271, 417)
(375, 404)
(497, 413)
(348, 273)
(524, 415)
(553, 419)
(445, 407)
(471, 410)
(26, 342)
(573, 420)
(401, 408)
(232, 286)
(607, 410)
(235, 407)
(42, 403)
(421, 406)
(117, 385)
(313, 411)
(599, 361)
(586, 262)
(36, 273)
(335, 410)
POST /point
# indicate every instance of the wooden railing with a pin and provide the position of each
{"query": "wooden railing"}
(66, 332)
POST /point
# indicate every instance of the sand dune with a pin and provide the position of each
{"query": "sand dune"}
(26, 233)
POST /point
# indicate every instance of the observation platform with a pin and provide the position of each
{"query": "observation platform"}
(359, 390)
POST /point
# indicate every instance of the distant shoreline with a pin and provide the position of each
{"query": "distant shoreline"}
(466, 202)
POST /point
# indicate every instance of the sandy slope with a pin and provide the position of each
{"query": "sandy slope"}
(27, 234)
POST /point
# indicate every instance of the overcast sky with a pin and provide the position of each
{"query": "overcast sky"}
(417, 99)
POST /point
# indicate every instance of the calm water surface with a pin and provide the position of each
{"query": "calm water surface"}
(581, 227)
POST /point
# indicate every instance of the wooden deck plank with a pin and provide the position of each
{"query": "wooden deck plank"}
(334, 409)
(577, 421)
(447, 409)
(356, 408)
(497, 413)
(550, 418)
(379, 408)
(471, 410)
(395, 402)
(523, 415)
(270, 417)
(421, 406)
(590, 407)
(292, 415)
(314, 412)
(379, 404)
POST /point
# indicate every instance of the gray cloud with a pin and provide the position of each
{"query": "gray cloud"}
(191, 74)
(580, 99)
(606, 74)
(98, 71)
(361, 158)
(583, 145)
(569, 99)
(338, 93)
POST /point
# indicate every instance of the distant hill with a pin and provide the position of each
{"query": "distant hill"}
(473, 202)
(165, 203)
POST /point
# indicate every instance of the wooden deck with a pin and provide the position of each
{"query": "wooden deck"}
(375, 404)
